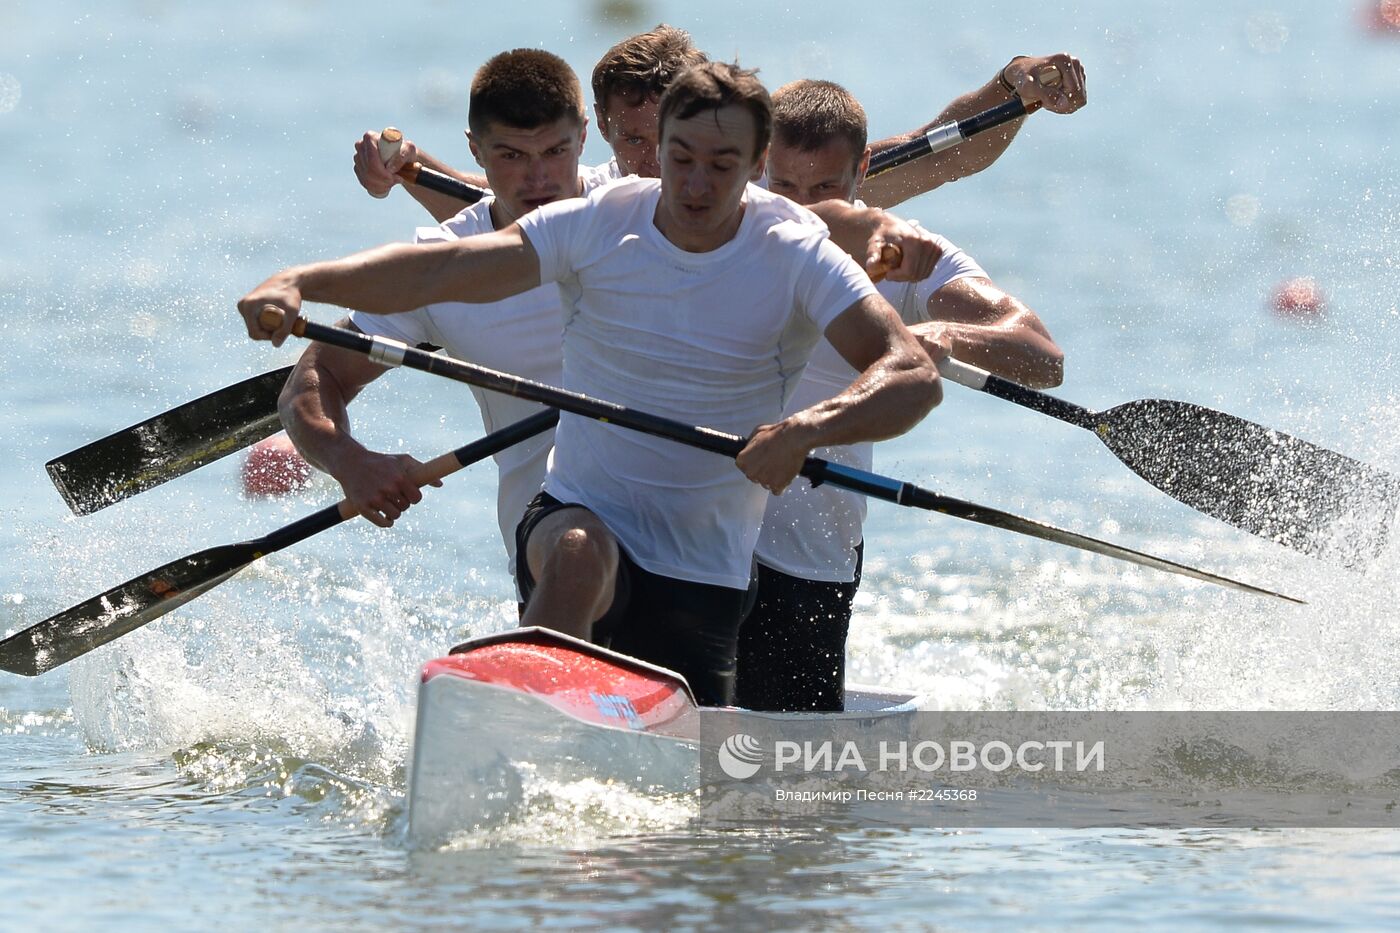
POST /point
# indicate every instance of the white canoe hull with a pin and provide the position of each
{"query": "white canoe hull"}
(571, 711)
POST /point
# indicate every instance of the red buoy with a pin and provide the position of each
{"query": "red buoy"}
(1299, 298)
(274, 468)
(1384, 17)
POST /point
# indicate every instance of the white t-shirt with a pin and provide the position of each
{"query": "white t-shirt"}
(812, 533)
(519, 335)
(716, 339)
(595, 176)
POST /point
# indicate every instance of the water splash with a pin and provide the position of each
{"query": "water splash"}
(577, 814)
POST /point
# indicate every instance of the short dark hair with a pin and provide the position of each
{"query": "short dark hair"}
(524, 88)
(641, 67)
(714, 85)
(809, 114)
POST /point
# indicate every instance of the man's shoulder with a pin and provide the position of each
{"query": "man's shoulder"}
(470, 221)
(596, 176)
(778, 207)
(619, 198)
(627, 188)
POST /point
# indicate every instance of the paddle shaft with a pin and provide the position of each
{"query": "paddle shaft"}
(416, 173)
(419, 174)
(982, 381)
(392, 353)
(110, 615)
(942, 137)
(421, 475)
(435, 469)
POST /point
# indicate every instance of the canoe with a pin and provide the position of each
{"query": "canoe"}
(568, 710)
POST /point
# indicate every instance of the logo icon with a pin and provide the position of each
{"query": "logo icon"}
(740, 756)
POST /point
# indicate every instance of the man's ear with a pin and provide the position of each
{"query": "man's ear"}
(863, 167)
(760, 166)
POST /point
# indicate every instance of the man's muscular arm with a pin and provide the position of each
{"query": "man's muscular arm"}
(976, 322)
(314, 408)
(897, 386)
(1060, 90)
(399, 277)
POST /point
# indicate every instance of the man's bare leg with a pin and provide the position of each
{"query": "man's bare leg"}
(573, 558)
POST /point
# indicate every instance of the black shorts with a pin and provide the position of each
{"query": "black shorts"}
(691, 628)
(792, 647)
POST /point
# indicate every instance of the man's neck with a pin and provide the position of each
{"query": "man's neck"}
(705, 242)
(501, 215)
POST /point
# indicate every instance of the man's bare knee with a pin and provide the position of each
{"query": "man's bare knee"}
(574, 560)
(574, 545)
(585, 551)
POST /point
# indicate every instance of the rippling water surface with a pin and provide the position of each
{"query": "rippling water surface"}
(244, 758)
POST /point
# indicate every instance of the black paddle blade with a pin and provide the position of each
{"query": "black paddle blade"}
(91, 624)
(1265, 482)
(169, 445)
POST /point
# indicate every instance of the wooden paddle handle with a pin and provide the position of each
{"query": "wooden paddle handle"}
(1045, 76)
(271, 318)
(424, 474)
(890, 256)
(390, 142)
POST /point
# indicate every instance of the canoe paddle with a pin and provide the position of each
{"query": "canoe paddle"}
(76, 631)
(197, 433)
(393, 353)
(1268, 483)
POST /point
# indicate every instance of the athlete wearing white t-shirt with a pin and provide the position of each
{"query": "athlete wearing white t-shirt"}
(651, 323)
(725, 350)
(526, 111)
(792, 646)
(519, 335)
(813, 532)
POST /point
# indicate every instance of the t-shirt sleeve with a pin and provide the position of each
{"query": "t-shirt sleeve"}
(411, 327)
(830, 283)
(555, 230)
(952, 265)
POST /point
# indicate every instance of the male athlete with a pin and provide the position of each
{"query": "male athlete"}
(527, 129)
(792, 648)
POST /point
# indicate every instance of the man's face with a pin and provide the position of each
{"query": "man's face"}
(632, 132)
(808, 176)
(705, 163)
(530, 167)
